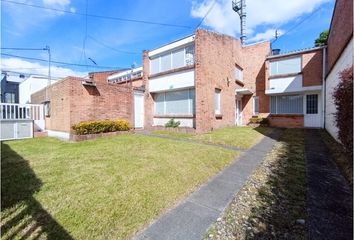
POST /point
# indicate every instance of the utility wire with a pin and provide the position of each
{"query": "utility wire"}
(114, 49)
(99, 16)
(206, 14)
(63, 63)
(22, 49)
(297, 25)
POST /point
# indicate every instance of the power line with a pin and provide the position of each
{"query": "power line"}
(206, 14)
(63, 63)
(22, 49)
(114, 49)
(296, 25)
(99, 16)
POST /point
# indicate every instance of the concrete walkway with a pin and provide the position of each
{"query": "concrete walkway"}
(191, 218)
(329, 198)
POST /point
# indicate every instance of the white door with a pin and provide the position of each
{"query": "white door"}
(238, 116)
(312, 110)
(138, 110)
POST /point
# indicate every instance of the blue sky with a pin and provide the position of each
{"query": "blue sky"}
(27, 27)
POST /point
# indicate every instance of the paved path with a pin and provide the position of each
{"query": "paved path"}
(191, 218)
(146, 133)
(329, 199)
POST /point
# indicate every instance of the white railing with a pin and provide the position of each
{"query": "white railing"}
(15, 111)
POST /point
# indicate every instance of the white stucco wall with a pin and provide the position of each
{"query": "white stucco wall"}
(31, 85)
(345, 61)
(173, 81)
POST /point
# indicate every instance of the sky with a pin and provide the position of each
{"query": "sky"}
(74, 37)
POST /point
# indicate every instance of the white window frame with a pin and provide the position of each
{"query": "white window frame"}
(191, 109)
(255, 98)
(217, 101)
(239, 74)
(170, 52)
(276, 105)
(277, 65)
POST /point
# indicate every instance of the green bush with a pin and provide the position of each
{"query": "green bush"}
(92, 127)
(259, 120)
(172, 123)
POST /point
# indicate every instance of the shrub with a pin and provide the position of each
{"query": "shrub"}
(259, 120)
(92, 127)
(172, 123)
(343, 99)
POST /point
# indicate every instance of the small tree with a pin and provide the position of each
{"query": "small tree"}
(343, 99)
(322, 39)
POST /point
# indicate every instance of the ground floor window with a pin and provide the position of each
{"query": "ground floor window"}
(312, 104)
(175, 102)
(255, 105)
(286, 104)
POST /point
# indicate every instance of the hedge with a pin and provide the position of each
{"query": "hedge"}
(259, 120)
(92, 127)
(343, 99)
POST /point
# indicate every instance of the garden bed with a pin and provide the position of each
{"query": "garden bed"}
(78, 138)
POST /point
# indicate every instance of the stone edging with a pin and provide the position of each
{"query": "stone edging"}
(78, 138)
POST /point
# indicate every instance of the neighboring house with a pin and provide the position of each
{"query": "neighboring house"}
(339, 56)
(294, 85)
(135, 76)
(32, 84)
(9, 88)
(73, 100)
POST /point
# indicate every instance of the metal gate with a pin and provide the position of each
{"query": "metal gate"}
(19, 120)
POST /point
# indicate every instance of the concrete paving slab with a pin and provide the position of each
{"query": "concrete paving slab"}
(187, 221)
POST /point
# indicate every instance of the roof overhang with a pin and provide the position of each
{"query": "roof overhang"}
(243, 91)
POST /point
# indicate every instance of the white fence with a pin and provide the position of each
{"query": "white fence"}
(19, 120)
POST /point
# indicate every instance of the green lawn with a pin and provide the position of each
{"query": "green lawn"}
(242, 137)
(107, 188)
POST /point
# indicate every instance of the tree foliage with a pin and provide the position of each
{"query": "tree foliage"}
(322, 39)
(343, 99)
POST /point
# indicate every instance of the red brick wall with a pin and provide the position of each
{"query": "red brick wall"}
(341, 30)
(254, 57)
(72, 103)
(148, 100)
(312, 68)
(102, 76)
(59, 94)
(215, 58)
(296, 120)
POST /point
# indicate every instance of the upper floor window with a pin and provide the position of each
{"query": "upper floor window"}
(238, 74)
(127, 77)
(285, 66)
(176, 58)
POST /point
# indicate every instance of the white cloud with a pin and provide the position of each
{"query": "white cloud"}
(267, 35)
(259, 13)
(22, 66)
(53, 3)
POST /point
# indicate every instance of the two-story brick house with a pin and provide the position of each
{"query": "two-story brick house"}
(208, 80)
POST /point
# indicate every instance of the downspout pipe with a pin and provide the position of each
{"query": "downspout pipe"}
(324, 67)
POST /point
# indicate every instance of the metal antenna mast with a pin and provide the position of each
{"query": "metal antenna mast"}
(239, 6)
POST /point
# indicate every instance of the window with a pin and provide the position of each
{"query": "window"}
(173, 59)
(312, 104)
(286, 104)
(239, 74)
(255, 105)
(175, 102)
(47, 108)
(10, 98)
(217, 101)
(285, 66)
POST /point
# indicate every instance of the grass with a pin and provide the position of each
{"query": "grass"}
(268, 206)
(342, 159)
(106, 188)
(241, 137)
